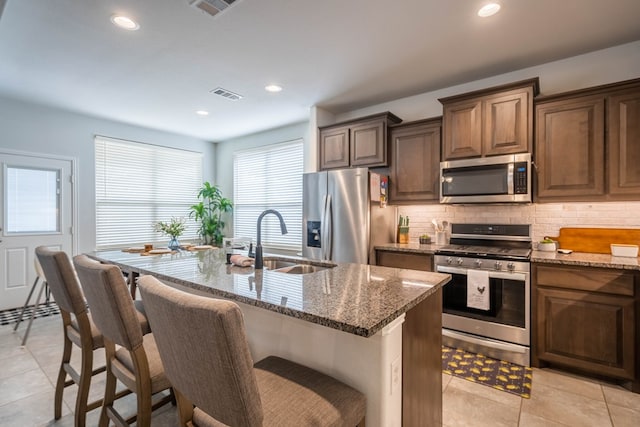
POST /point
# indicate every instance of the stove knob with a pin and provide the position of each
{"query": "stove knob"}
(498, 265)
(511, 266)
(460, 261)
(478, 263)
(449, 260)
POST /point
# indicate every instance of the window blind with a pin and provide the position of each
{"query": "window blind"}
(269, 178)
(140, 184)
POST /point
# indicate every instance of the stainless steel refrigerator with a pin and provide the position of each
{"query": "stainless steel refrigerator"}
(340, 221)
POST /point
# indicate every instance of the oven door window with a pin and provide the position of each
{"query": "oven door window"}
(476, 180)
(507, 301)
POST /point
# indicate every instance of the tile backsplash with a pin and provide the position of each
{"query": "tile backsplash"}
(546, 219)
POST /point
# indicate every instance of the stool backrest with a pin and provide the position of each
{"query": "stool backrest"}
(112, 308)
(204, 350)
(62, 280)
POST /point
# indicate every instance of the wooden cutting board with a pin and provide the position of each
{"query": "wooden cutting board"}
(596, 240)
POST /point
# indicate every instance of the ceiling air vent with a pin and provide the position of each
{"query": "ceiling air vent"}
(212, 7)
(226, 94)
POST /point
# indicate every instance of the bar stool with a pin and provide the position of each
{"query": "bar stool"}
(205, 353)
(135, 362)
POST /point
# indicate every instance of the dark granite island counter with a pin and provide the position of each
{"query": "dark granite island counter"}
(375, 328)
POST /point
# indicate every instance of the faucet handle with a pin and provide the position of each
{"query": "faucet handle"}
(251, 254)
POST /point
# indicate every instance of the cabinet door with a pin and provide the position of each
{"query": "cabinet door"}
(591, 332)
(462, 129)
(415, 163)
(334, 148)
(624, 144)
(507, 127)
(570, 149)
(368, 144)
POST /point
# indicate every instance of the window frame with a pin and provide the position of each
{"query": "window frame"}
(292, 214)
(124, 183)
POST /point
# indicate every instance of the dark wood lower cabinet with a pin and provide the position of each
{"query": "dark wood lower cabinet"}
(586, 319)
(422, 364)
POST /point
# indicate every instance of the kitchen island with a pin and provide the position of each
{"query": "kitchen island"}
(377, 329)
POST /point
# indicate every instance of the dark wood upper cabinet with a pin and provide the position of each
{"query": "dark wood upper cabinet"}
(361, 142)
(489, 122)
(624, 143)
(508, 122)
(570, 148)
(369, 144)
(463, 123)
(587, 144)
(414, 168)
(334, 148)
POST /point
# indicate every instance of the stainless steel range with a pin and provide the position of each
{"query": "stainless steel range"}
(486, 306)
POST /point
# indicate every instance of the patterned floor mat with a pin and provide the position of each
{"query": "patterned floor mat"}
(11, 315)
(484, 370)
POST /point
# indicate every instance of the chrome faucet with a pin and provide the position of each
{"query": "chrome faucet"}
(283, 229)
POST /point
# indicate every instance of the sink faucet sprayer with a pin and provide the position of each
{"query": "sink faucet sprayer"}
(283, 229)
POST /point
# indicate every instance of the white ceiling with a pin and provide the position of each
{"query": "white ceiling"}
(337, 54)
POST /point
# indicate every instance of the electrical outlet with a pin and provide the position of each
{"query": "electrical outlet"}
(396, 375)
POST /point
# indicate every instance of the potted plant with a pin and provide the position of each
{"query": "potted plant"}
(209, 212)
(547, 245)
(173, 229)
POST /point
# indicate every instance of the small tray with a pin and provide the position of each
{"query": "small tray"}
(159, 251)
(630, 251)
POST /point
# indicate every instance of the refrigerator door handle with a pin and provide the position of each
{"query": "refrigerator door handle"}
(326, 229)
(323, 229)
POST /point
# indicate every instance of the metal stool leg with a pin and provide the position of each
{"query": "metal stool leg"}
(26, 303)
(33, 313)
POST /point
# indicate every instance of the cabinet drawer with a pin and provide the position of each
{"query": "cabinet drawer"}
(586, 279)
(408, 260)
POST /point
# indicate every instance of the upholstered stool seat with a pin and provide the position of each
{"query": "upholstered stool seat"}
(124, 368)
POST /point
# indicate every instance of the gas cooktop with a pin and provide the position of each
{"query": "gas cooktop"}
(497, 241)
(485, 251)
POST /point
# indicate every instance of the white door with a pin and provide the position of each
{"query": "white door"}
(36, 208)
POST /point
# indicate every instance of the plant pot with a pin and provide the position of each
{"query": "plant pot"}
(547, 247)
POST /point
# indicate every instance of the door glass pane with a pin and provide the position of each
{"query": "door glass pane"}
(33, 200)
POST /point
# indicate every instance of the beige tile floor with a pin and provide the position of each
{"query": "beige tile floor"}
(27, 378)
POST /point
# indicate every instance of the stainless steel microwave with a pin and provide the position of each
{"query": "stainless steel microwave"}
(499, 179)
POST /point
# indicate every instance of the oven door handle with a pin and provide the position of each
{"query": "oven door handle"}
(492, 274)
(514, 348)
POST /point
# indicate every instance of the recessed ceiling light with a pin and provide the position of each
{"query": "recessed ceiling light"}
(125, 22)
(202, 113)
(273, 88)
(489, 9)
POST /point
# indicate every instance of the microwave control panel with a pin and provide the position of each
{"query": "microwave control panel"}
(520, 178)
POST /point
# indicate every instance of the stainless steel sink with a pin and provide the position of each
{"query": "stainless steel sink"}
(275, 264)
(294, 266)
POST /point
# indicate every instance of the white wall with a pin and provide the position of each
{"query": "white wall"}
(39, 129)
(596, 68)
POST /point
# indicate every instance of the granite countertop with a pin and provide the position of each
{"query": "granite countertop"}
(575, 258)
(354, 298)
(409, 247)
(585, 260)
